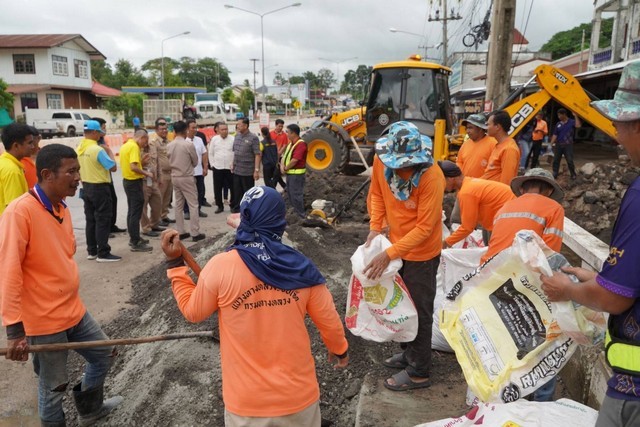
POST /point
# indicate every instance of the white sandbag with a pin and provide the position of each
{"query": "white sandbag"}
(379, 310)
(454, 264)
(473, 240)
(563, 412)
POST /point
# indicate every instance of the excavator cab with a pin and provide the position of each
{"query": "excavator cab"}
(409, 90)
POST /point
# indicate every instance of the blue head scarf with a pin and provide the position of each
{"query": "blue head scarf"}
(259, 243)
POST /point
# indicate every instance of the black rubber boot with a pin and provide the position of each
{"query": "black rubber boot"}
(90, 404)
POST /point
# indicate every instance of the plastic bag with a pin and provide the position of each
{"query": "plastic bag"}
(501, 326)
(454, 263)
(563, 412)
(473, 240)
(379, 310)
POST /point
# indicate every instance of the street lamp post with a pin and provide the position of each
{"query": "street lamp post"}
(425, 46)
(162, 61)
(338, 68)
(262, 15)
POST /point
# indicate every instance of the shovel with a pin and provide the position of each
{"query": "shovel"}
(191, 262)
(106, 343)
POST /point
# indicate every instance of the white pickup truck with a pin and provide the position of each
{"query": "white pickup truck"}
(62, 124)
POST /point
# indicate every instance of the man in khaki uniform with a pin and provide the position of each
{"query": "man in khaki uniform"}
(165, 186)
(150, 221)
(183, 158)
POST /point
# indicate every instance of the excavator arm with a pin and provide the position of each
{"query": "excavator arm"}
(563, 88)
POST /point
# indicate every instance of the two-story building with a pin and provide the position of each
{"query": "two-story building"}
(49, 71)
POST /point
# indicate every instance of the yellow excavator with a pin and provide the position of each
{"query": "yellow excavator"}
(418, 92)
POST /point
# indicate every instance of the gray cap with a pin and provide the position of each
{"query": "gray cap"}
(538, 174)
(479, 120)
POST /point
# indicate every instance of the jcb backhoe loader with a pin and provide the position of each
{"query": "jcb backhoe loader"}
(418, 92)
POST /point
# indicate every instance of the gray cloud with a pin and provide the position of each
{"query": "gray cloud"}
(294, 38)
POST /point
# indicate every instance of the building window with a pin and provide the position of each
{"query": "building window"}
(81, 69)
(28, 100)
(24, 64)
(54, 101)
(60, 67)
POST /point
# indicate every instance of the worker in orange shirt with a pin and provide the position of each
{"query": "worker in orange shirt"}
(505, 158)
(407, 190)
(29, 162)
(39, 285)
(262, 290)
(537, 208)
(479, 201)
(473, 156)
(540, 131)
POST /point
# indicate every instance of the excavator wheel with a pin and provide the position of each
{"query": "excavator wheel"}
(326, 152)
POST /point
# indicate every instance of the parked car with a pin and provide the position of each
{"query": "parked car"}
(62, 124)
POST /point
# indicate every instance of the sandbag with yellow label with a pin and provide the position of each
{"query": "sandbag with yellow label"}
(504, 331)
(379, 310)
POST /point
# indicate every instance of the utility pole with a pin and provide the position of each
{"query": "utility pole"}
(444, 19)
(255, 97)
(500, 52)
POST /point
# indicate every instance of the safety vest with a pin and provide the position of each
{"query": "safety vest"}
(623, 356)
(288, 153)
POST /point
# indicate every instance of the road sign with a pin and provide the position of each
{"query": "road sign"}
(264, 120)
(286, 101)
(296, 104)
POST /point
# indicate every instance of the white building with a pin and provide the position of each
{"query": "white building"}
(49, 71)
(625, 40)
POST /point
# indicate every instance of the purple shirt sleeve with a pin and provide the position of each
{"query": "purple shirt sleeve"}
(621, 271)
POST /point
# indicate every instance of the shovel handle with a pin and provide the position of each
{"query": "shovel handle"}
(106, 343)
(190, 260)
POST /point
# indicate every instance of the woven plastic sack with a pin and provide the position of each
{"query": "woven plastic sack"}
(502, 328)
(562, 412)
(379, 310)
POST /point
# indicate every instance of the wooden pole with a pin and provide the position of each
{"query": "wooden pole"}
(106, 343)
(191, 262)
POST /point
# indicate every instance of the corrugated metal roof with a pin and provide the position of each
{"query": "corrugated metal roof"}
(26, 41)
(99, 89)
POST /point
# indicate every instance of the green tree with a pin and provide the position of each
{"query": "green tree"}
(313, 79)
(128, 103)
(294, 80)
(153, 69)
(126, 74)
(6, 99)
(356, 81)
(567, 42)
(228, 96)
(245, 100)
(101, 71)
(325, 78)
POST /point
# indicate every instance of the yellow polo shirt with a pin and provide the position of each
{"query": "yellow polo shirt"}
(13, 183)
(130, 153)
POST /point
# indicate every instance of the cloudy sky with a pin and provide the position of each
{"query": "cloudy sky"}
(294, 38)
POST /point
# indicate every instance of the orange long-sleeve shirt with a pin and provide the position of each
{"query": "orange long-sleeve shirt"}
(267, 366)
(479, 201)
(530, 211)
(415, 225)
(473, 157)
(503, 163)
(30, 172)
(540, 131)
(39, 281)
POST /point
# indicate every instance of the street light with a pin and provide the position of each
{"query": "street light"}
(262, 15)
(425, 47)
(338, 62)
(162, 61)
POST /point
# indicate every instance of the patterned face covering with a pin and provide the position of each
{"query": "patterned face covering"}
(402, 188)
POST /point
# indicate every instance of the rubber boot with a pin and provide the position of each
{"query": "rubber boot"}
(90, 404)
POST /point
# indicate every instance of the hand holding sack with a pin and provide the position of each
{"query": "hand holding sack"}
(379, 310)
